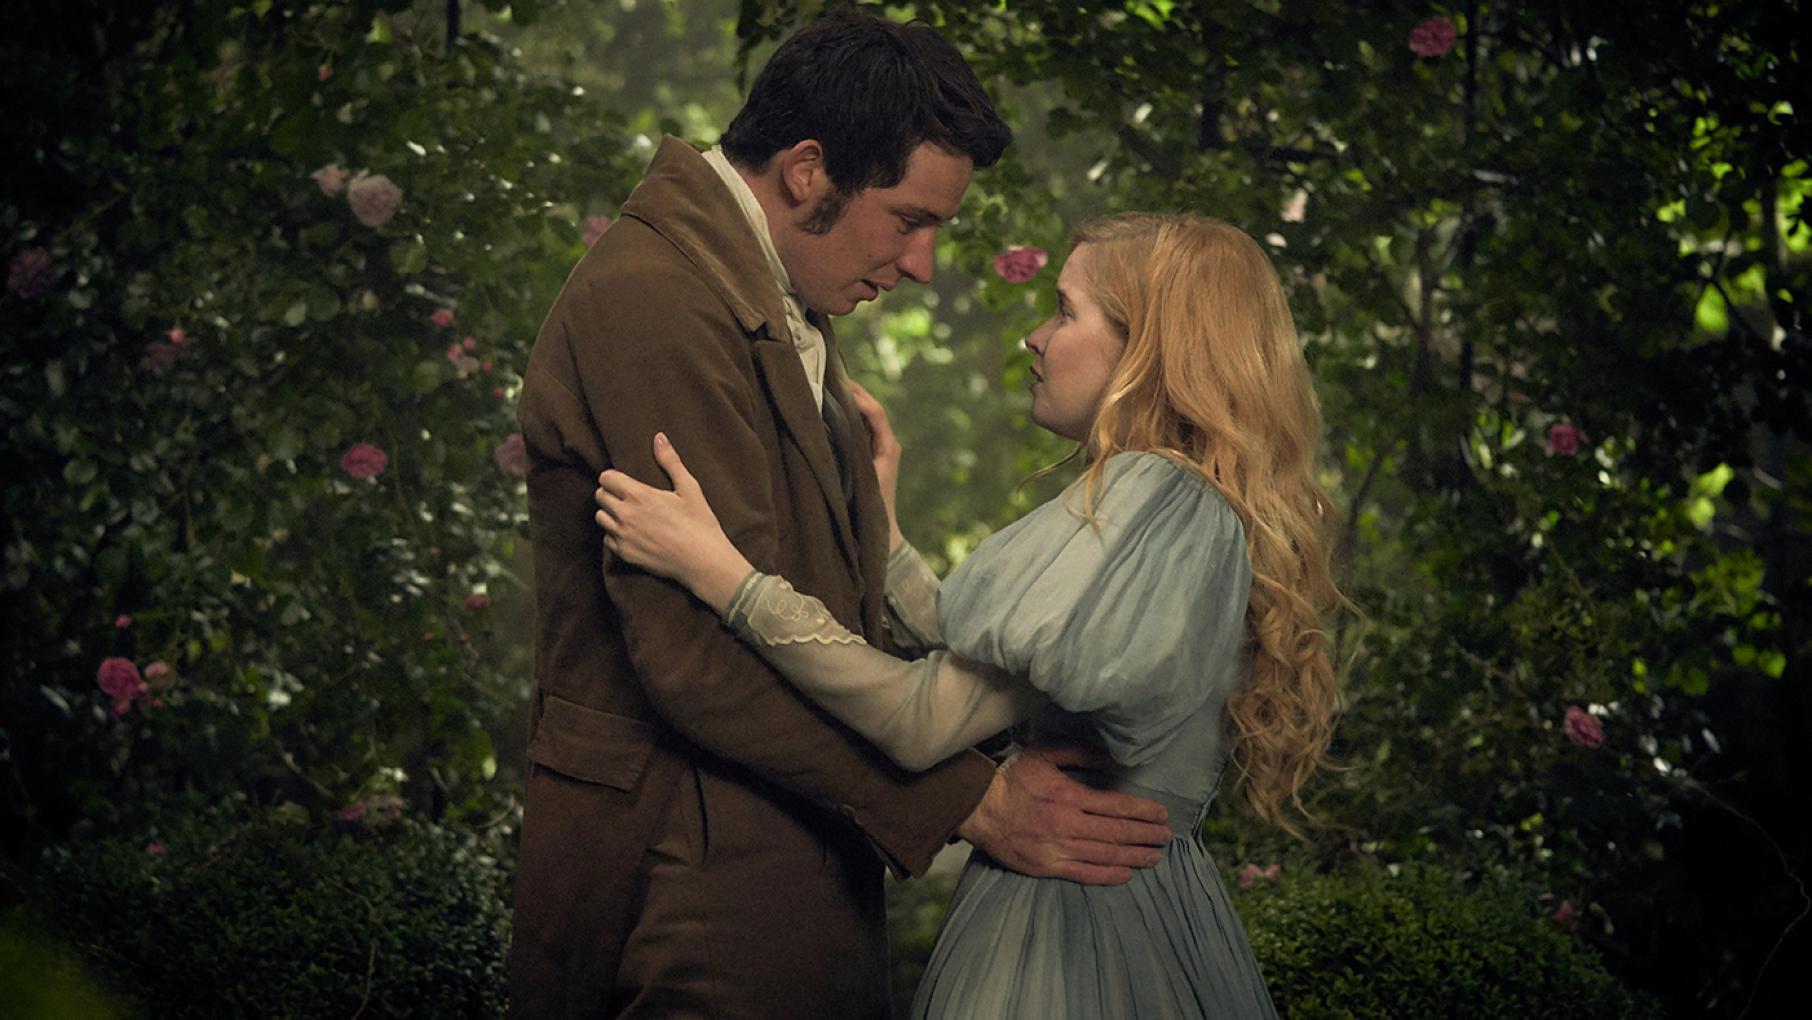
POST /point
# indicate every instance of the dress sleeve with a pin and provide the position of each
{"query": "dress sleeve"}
(912, 601)
(1134, 619)
(919, 712)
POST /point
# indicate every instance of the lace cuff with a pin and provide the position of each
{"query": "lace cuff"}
(766, 610)
(912, 600)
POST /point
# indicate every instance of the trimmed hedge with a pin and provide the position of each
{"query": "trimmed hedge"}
(1366, 944)
(277, 918)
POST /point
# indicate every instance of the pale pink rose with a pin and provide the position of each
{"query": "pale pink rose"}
(177, 337)
(29, 275)
(119, 679)
(1432, 37)
(1018, 264)
(1583, 728)
(1273, 873)
(362, 460)
(1296, 208)
(331, 178)
(352, 812)
(123, 621)
(442, 317)
(324, 72)
(1564, 438)
(512, 456)
(1248, 875)
(478, 600)
(160, 676)
(1566, 915)
(155, 849)
(595, 226)
(373, 198)
(469, 344)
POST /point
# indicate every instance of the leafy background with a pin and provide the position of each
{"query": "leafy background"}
(1581, 215)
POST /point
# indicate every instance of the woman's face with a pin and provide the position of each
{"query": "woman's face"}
(1073, 355)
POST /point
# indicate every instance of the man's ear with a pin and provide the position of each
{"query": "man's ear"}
(803, 177)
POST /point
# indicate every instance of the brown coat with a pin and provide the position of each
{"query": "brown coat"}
(697, 838)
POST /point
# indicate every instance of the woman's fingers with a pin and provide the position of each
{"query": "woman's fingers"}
(669, 460)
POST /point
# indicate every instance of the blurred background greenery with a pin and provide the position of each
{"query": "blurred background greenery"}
(1550, 269)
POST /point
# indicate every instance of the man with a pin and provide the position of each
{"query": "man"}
(698, 839)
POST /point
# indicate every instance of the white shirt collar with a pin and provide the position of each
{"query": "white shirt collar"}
(806, 338)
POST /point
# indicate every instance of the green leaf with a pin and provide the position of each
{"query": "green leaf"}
(296, 313)
(409, 256)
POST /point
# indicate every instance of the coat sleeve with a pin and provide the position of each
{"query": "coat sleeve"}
(613, 367)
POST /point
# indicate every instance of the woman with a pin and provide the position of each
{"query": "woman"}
(1167, 607)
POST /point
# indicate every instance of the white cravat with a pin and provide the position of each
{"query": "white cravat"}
(806, 338)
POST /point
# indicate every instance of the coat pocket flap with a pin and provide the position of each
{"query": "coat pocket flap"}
(594, 746)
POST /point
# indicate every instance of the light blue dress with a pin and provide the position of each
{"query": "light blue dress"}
(1126, 632)
(1134, 630)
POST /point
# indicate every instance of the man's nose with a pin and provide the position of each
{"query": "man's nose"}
(921, 254)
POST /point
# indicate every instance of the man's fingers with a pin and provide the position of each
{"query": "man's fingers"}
(1110, 804)
(607, 522)
(1111, 855)
(1119, 831)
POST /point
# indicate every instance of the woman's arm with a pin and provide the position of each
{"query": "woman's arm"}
(919, 712)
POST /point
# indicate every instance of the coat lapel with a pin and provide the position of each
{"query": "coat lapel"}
(784, 378)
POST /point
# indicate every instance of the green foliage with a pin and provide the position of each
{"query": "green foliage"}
(277, 917)
(1367, 944)
(321, 628)
(915, 915)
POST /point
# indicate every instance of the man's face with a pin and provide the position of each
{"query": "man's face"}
(883, 235)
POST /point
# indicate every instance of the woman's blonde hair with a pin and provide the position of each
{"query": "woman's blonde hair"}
(1213, 377)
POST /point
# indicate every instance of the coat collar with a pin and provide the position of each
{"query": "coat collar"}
(682, 199)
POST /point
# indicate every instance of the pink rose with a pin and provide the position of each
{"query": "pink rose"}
(121, 706)
(1564, 438)
(485, 366)
(497, 391)
(30, 275)
(119, 679)
(469, 344)
(388, 807)
(1273, 873)
(352, 812)
(1583, 728)
(512, 456)
(1017, 265)
(123, 621)
(324, 72)
(1566, 915)
(595, 226)
(1432, 37)
(363, 460)
(177, 337)
(478, 600)
(155, 849)
(331, 178)
(373, 198)
(442, 317)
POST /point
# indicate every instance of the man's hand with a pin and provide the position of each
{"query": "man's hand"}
(1040, 822)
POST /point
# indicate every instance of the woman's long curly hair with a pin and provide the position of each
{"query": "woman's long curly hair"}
(1213, 376)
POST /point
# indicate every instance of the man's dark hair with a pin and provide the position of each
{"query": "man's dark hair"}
(871, 90)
